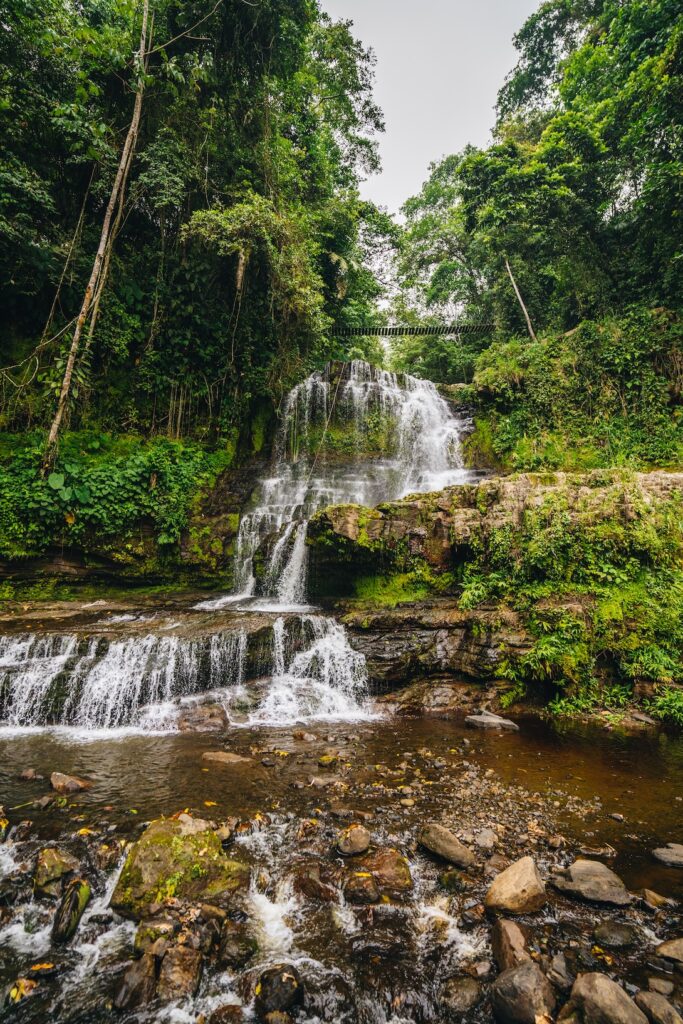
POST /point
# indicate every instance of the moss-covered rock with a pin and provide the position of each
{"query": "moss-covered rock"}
(175, 858)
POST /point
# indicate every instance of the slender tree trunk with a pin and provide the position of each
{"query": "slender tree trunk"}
(521, 301)
(94, 284)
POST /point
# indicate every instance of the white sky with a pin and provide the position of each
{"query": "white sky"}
(440, 64)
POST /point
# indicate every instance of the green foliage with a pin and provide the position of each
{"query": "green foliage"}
(667, 705)
(102, 489)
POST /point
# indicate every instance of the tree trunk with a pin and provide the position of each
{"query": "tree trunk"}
(521, 301)
(95, 283)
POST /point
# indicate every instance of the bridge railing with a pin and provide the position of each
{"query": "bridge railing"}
(410, 330)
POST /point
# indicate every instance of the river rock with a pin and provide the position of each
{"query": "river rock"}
(150, 931)
(487, 720)
(225, 757)
(592, 881)
(390, 870)
(280, 989)
(51, 867)
(672, 950)
(180, 858)
(202, 718)
(671, 855)
(361, 887)
(558, 973)
(180, 973)
(522, 994)
(66, 784)
(74, 901)
(657, 1009)
(353, 840)
(597, 1000)
(137, 985)
(230, 1014)
(309, 881)
(237, 945)
(614, 935)
(459, 995)
(441, 841)
(508, 942)
(517, 890)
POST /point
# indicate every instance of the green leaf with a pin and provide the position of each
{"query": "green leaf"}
(55, 481)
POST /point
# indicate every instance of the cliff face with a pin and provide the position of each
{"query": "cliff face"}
(570, 581)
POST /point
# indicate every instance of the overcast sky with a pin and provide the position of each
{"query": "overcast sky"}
(440, 64)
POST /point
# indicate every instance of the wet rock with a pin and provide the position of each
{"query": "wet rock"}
(225, 757)
(180, 973)
(390, 870)
(353, 840)
(661, 985)
(671, 855)
(657, 1008)
(453, 881)
(517, 890)
(522, 994)
(614, 935)
(202, 718)
(672, 950)
(509, 945)
(237, 945)
(29, 775)
(592, 881)
(487, 720)
(486, 839)
(308, 881)
(74, 901)
(150, 931)
(440, 841)
(231, 1014)
(279, 989)
(559, 975)
(51, 867)
(361, 887)
(654, 900)
(277, 1017)
(66, 784)
(180, 858)
(137, 986)
(597, 1000)
(459, 995)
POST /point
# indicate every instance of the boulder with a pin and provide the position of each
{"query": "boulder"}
(440, 841)
(597, 1000)
(180, 858)
(459, 995)
(237, 945)
(137, 985)
(353, 840)
(671, 855)
(390, 870)
(180, 973)
(508, 942)
(230, 1014)
(671, 950)
(279, 989)
(487, 720)
(517, 890)
(66, 784)
(52, 866)
(225, 757)
(70, 911)
(614, 935)
(309, 881)
(657, 1009)
(361, 887)
(592, 881)
(522, 994)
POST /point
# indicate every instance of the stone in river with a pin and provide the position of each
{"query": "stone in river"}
(308, 881)
(390, 870)
(137, 986)
(280, 989)
(361, 887)
(180, 858)
(508, 942)
(671, 855)
(65, 784)
(180, 973)
(672, 950)
(487, 720)
(657, 1009)
(597, 1000)
(661, 985)
(614, 935)
(237, 945)
(51, 867)
(225, 757)
(517, 890)
(230, 1014)
(522, 994)
(654, 900)
(353, 840)
(440, 841)
(74, 901)
(592, 881)
(459, 995)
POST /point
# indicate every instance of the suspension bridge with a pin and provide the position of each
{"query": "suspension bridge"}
(453, 328)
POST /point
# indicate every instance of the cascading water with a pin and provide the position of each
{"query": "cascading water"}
(348, 433)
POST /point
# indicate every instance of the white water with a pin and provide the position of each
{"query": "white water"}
(141, 681)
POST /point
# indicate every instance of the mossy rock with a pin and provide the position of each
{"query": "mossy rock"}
(179, 858)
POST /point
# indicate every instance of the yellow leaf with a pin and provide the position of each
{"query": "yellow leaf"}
(85, 832)
(210, 803)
